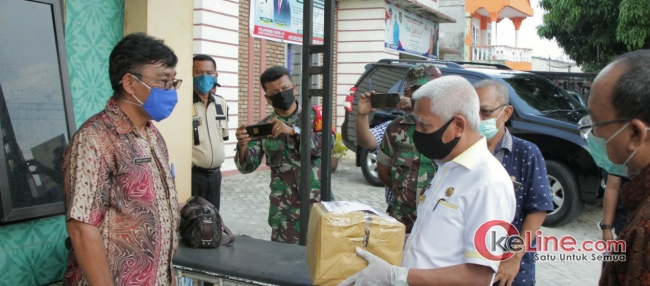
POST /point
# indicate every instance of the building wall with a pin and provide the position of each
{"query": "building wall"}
(542, 64)
(255, 56)
(92, 28)
(520, 66)
(33, 252)
(361, 35)
(153, 17)
(433, 4)
(216, 33)
(452, 35)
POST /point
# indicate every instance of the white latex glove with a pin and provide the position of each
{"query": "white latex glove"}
(377, 273)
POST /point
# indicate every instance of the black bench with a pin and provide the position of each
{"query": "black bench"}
(249, 260)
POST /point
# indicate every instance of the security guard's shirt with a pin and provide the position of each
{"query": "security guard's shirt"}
(209, 130)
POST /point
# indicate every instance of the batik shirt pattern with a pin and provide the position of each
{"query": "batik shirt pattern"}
(120, 182)
(635, 268)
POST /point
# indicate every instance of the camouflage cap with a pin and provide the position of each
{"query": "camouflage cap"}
(421, 74)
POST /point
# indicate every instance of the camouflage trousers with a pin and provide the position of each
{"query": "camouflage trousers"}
(403, 207)
(285, 221)
(286, 231)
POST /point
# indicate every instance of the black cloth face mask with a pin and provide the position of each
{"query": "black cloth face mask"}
(283, 100)
(431, 146)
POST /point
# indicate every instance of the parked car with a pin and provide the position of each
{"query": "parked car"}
(576, 96)
(544, 114)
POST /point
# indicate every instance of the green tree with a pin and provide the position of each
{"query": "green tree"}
(593, 32)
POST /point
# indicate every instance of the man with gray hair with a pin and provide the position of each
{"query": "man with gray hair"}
(470, 193)
(618, 134)
(526, 166)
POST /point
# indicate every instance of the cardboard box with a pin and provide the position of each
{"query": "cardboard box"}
(337, 228)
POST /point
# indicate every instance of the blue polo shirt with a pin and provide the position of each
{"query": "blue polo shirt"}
(523, 161)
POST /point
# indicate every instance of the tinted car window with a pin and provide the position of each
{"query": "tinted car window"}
(33, 118)
(383, 80)
(576, 96)
(540, 96)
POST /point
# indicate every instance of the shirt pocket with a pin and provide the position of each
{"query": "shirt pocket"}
(448, 205)
(274, 149)
(220, 125)
(447, 208)
(215, 123)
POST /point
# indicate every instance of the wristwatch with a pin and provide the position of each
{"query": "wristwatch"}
(296, 130)
(604, 226)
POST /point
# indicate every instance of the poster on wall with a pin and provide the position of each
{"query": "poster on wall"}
(407, 32)
(281, 20)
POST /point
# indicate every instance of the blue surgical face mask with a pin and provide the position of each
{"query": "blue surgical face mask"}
(488, 127)
(598, 150)
(160, 103)
(204, 83)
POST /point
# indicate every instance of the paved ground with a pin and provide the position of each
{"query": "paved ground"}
(244, 207)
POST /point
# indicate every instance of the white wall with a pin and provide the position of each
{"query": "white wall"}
(361, 35)
(433, 4)
(452, 35)
(216, 33)
(542, 64)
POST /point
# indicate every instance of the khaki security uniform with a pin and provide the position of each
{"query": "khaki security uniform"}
(209, 131)
(211, 125)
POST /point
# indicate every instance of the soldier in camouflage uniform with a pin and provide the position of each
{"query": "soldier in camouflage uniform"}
(410, 171)
(282, 151)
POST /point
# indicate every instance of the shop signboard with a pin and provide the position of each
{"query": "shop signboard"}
(407, 32)
(281, 20)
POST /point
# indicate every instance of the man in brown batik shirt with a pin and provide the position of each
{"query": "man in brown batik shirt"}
(618, 133)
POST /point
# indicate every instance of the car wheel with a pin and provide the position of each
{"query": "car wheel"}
(565, 194)
(369, 167)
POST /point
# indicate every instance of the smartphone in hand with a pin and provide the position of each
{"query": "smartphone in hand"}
(384, 100)
(259, 130)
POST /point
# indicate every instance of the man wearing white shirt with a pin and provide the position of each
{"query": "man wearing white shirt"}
(470, 189)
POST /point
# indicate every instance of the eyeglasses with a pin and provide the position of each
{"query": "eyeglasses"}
(488, 113)
(167, 84)
(586, 125)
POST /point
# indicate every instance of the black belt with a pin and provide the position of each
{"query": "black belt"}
(208, 172)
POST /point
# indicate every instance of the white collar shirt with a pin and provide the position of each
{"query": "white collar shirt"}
(466, 192)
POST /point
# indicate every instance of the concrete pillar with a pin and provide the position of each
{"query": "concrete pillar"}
(517, 23)
(517, 38)
(494, 19)
(484, 30)
(171, 21)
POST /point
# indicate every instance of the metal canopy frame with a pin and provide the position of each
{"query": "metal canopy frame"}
(326, 71)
